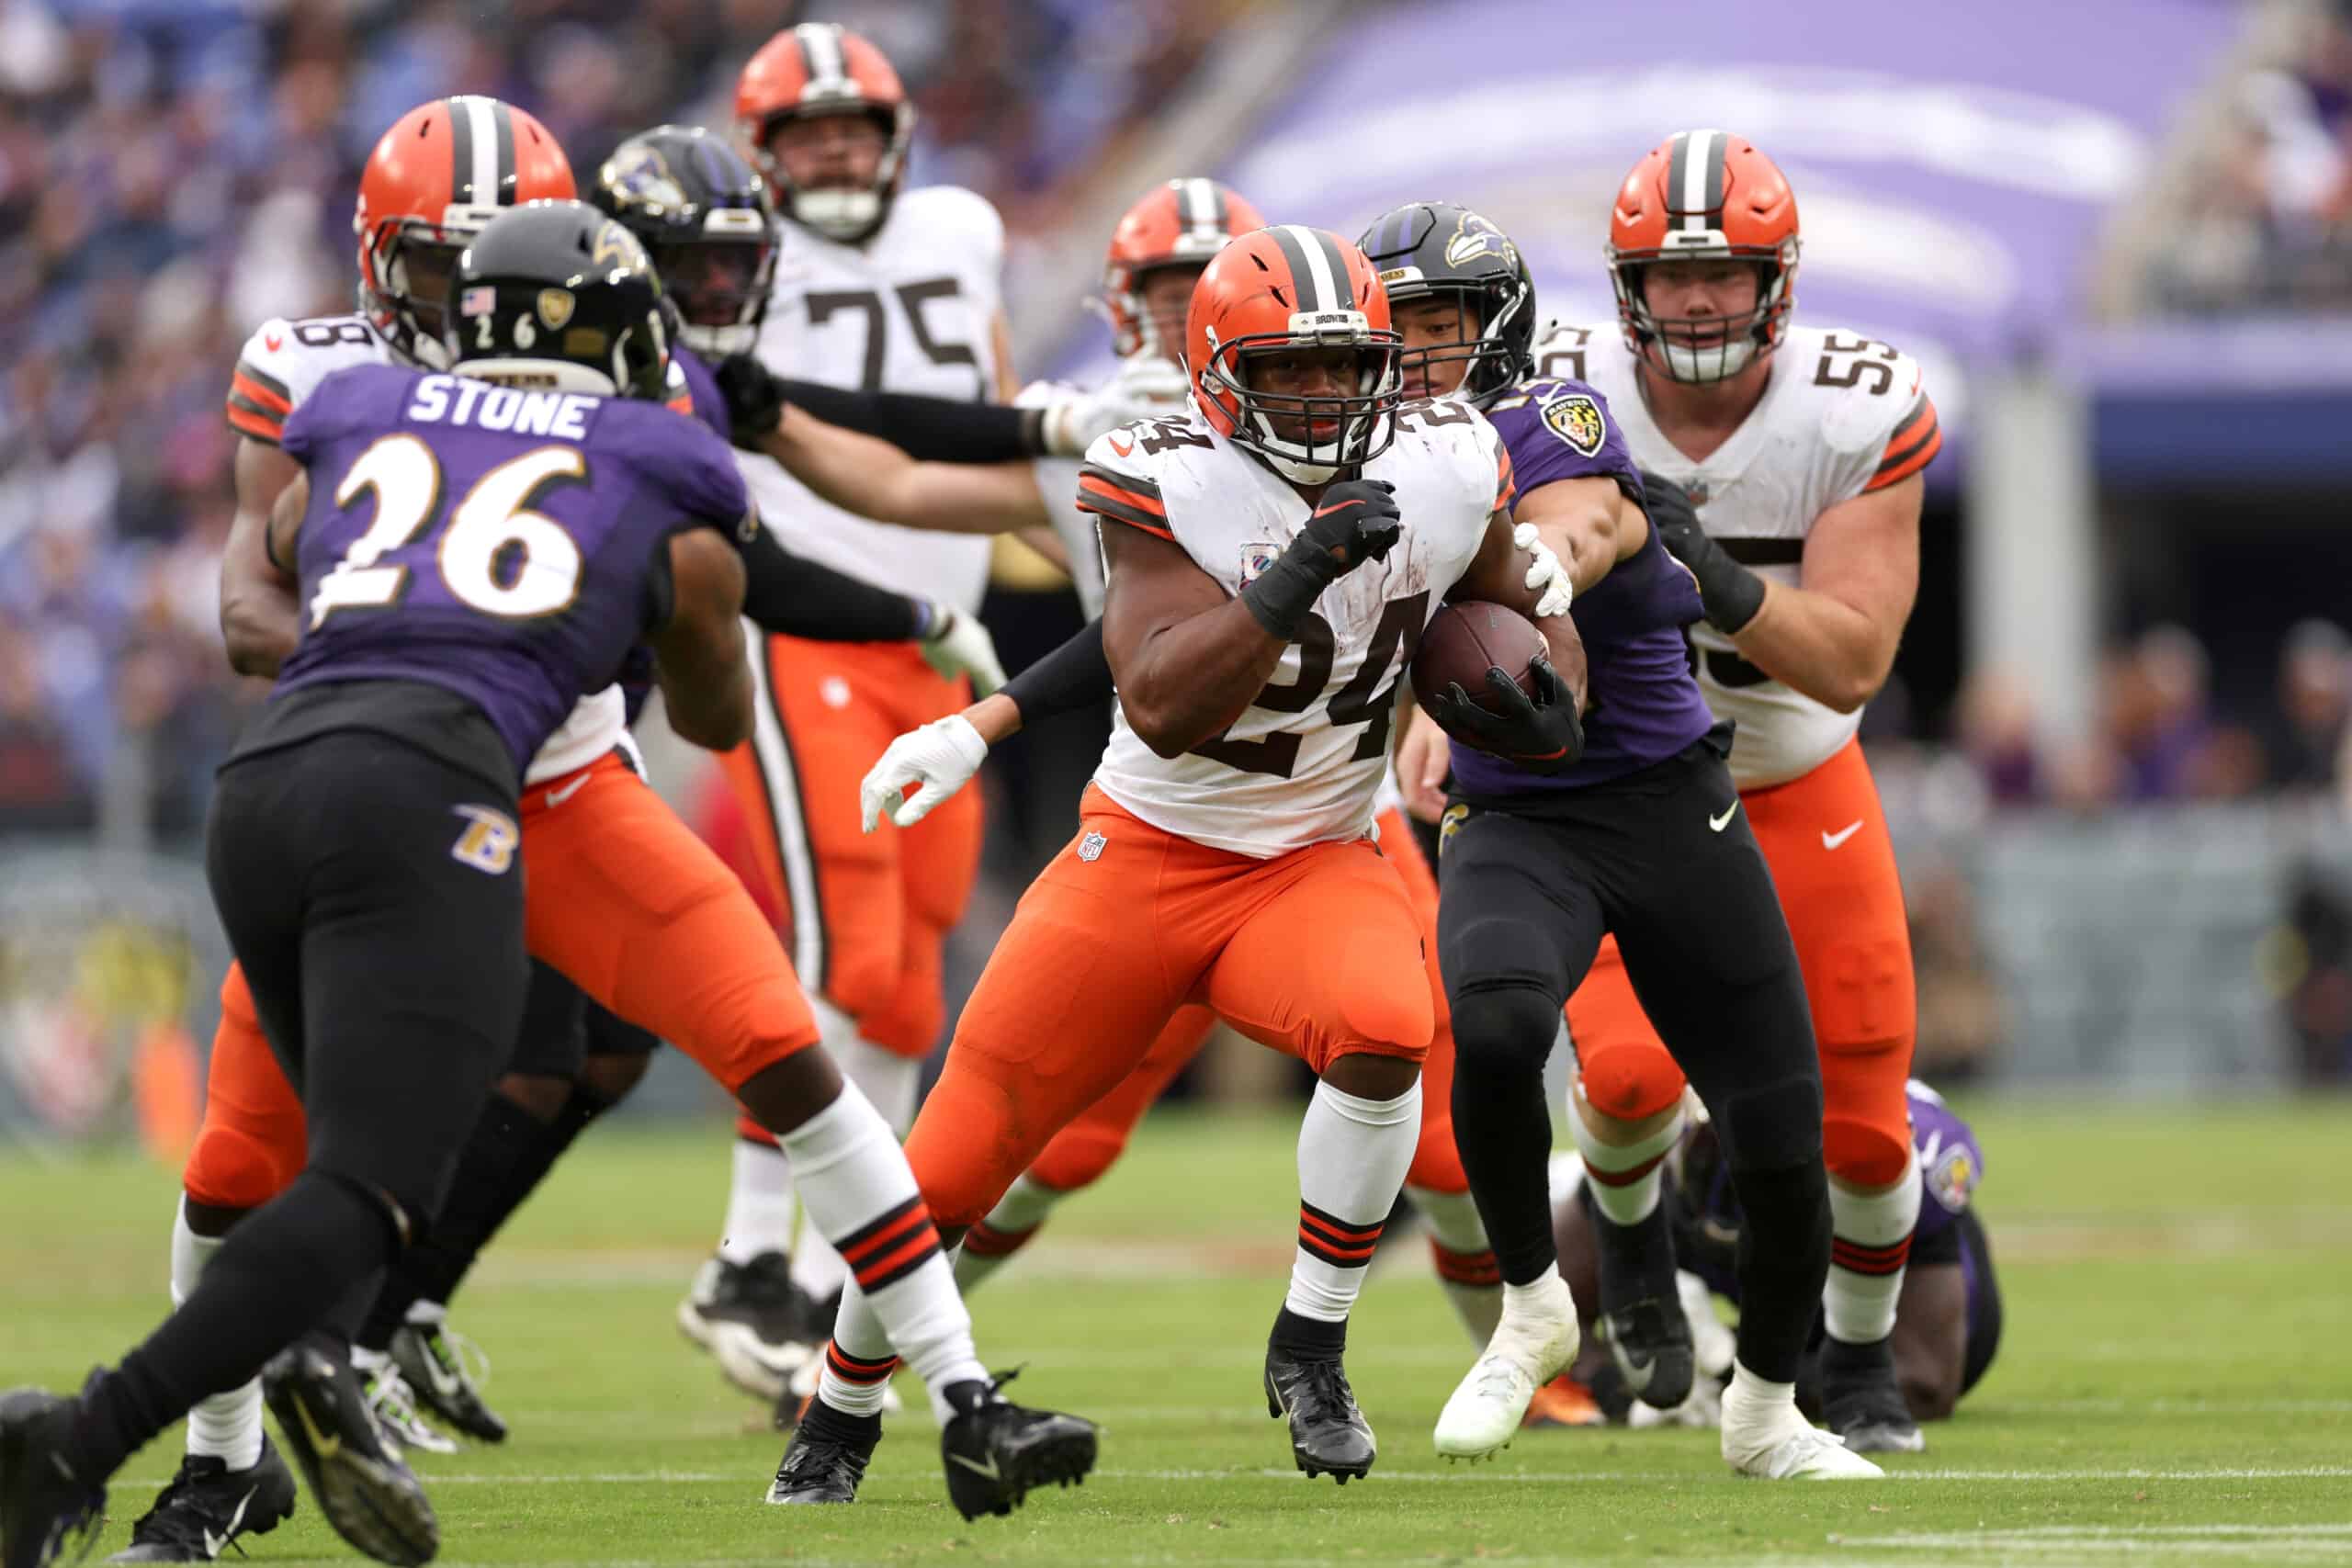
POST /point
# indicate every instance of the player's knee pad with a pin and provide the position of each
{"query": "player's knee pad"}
(909, 1022)
(1079, 1155)
(1391, 1017)
(1863, 999)
(1631, 1082)
(233, 1167)
(1503, 1026)
(1864, 1153)
(1773, 1126)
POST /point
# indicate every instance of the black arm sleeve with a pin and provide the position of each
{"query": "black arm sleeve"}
(793, 597)
(1075, 675)
(934, 430)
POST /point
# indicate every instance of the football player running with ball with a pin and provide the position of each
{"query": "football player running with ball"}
(1641, 837)
(1271, 560)
(1801, 450)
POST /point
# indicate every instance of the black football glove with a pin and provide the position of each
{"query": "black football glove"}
(755, 400)
(1356, 521)
(1543, 735)
(1728, 592)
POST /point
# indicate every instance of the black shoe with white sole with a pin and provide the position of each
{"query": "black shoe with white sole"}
(370, 1497)
(207, 1506)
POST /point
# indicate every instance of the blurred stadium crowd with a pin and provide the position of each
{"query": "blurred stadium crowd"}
(173, 172)
(2269, 223)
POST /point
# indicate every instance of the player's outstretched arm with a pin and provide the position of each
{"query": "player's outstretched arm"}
(699, 656)
(261, 618)
(928, 429)
(874, 478)
(941, 756)
(1590, 522)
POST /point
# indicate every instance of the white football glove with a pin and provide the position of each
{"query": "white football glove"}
(1146, 387)
(941, 756)
(958, 645)
(1543, 572)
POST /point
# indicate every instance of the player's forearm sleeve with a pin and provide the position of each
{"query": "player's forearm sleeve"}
(933, 430)
(1075, 675)
(790, 596)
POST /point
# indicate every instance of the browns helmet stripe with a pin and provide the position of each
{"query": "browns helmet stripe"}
(1694, 179)
(1316, 268)
(461, 150)
(502, 118)
(821, 52)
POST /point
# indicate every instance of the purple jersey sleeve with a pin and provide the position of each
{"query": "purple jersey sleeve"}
(1562, 430)
(1951, 1164)
(702, 388)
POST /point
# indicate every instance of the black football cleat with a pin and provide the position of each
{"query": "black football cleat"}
(996, 1451)
(827, 1456)
(207, 1506)
(1862, 1402)
(43, 1503)
(753, 1319)
(1328, 1434)
(1650, 1343)
(435, 1363)
(370, 1497)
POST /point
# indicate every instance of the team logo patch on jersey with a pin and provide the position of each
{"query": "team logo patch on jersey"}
(1576, 420)
(488, 841)
(1952, 1177)
(1256, 561)
(1697, 490)
(1089, 848)
(556, 305)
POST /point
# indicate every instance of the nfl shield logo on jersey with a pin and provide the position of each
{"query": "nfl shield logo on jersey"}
(1575, 419)
(1256, 561)
(1089, 848)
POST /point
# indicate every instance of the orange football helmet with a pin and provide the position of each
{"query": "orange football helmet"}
(823, 68)
(443, 171)
(1704, 194)
(1292, 287)
(1183, 223)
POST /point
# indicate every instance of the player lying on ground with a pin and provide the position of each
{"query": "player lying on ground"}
(1947, 1320)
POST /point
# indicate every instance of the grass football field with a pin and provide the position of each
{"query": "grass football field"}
(2175, 1385)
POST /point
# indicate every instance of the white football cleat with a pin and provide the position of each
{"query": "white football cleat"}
(1534, 1343)
(1770, 1441)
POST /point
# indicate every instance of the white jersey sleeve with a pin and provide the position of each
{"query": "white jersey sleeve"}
(912, 309)
(1303, 764)
(285, 361)
(1057, 487)
(1842, 416)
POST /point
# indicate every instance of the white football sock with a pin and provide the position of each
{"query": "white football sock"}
(761, 1213)
(1623, 1177)
(890, 1083)
(1465, 1263)
(1353, 1156)
(900, 1300)
(1870, 1246)
(225, 1425)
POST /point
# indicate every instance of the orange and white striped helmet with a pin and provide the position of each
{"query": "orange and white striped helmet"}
(822, 68)
(1704, 195)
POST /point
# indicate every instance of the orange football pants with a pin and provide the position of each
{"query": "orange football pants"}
(1824, 837)
(867, 916)
(1317, 953)
(622, 899)
(1081, 1151)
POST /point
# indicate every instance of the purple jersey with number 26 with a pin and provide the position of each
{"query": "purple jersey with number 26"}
(509, 545)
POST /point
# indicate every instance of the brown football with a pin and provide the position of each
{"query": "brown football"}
(1464, 641)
